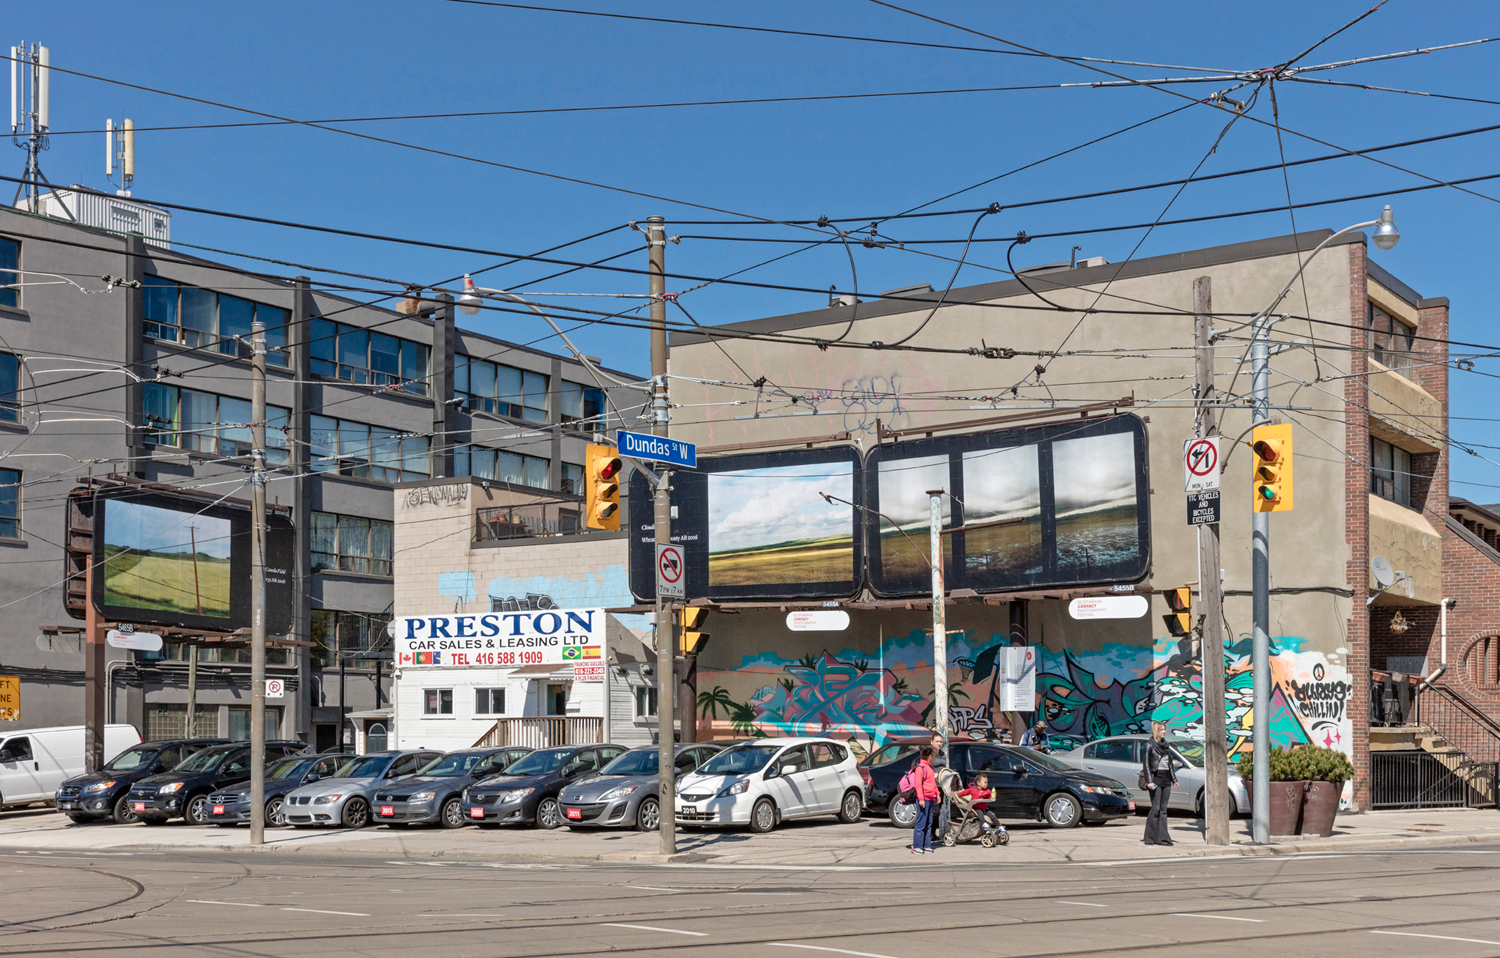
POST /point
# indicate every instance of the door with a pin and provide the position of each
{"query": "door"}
(794, 779)
(825, 775)
(1120, 759)
(18, 772)
(54, 761)
(1014, 785)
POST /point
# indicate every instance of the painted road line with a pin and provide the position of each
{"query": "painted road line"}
(1188, 914)
(321, 911)
(1412, 934)
(839, 951)
(670, 931)
(460, 914)
(1086, 904)
(654, 888)
(205, 901)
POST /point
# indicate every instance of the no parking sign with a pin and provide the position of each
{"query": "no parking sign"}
(275, 688)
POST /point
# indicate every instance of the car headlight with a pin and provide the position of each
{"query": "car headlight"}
(99, 786)
(620, 792)
(423, 796)
(326, 799)
(169, 789)
(1097, 789)
(738, 788)
(514, 795)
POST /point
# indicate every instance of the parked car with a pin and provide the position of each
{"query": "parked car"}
(105, 793)
(764, 782)
(625, 792)
(183, 792)
(526, 792)
(230, 805)
(435, 793)
(1028, 785)
(345, 798)
(35, 762)
(1120, 757)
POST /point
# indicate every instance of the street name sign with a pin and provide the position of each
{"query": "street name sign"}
(1203, 508)
(671, 572)
(1200, 464)
(673, 452)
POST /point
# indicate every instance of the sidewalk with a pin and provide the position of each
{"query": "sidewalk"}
(819, 843)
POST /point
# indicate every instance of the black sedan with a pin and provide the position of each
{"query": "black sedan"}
(183, 792)
(435, 793)
(526, 792)
(103, 794)
(230, 805)
(1028, 785)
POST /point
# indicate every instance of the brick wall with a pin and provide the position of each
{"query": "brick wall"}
(1357, 519)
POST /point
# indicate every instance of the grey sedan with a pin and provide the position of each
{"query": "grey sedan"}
(433, 794)
(1119, 757)
(625, 792)
(346, 800)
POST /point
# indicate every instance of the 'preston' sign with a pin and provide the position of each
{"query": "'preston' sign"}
(501, 639)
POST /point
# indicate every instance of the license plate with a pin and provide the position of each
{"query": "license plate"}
(218, 809)
(689, 810)
(138, 806)
(387, 811)
(1132, 804)
(476, 813)
(575, 813)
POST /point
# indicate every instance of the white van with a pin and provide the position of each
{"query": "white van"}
(34, 762)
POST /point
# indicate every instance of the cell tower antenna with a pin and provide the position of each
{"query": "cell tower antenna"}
(119, 142)
(31, 116)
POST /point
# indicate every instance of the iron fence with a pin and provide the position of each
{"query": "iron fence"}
(1414, 779)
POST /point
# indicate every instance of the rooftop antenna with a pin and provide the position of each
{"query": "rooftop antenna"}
(119, 150)
(31, 116)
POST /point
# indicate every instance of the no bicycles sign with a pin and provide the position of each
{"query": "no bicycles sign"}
(1200, 464)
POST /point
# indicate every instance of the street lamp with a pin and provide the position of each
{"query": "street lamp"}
(1386, 234)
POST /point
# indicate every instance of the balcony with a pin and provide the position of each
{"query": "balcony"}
(543, 732)
(529, 520)
(1401, 412)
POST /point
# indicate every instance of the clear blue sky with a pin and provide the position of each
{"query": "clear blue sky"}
(840, 158)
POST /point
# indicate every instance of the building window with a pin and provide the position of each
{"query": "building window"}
(178, 652)
(205, 422)
(503, 390)
(204, 319)
(10, 388)
(437, 701)
(10, 504)
(367, 452)
(10, 261)
(239, 724)
(645, 702)
(337, 633)
(489, 701)
(572, 479)
(1390, 340)
(1390, 472)
(482, 462)
(356, 355)
(582, 407)
(351, 544)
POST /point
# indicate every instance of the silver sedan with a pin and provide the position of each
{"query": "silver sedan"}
(1119, 757)
(625, 792)
(346, 800)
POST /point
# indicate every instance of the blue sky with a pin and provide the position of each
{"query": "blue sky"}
(840, 158)
(151, 529)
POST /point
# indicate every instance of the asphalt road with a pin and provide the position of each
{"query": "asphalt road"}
(1433, 902)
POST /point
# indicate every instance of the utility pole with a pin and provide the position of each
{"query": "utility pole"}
(1260, 603)
(94, 673)
(939, 619)
(1210, 596)
(257, 582)
(665, 627)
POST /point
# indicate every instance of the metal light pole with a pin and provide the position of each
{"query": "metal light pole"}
(257, 582)
(939, 618)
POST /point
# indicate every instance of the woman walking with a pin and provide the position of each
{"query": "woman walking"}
(1161, 778)
(925, 783)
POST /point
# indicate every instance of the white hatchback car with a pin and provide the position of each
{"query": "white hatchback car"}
(763, 782)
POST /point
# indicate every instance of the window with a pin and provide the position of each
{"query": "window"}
(482, 462)
(204, 319)
(239, 726)
(583, 407)
(503, 390)
(359, 355)
(1116, 750)
(205, 422)
(178, 652)
(1390, 472)
(645, 702)
(16, 750)
(489, 701)
(437, 701)
(796, 757)
(823, 755)
(10, 504)
(351, 544)
(367, 452)
(345, 632)
(10, 388)
(10, 261)
(1390, 340)
(572, 479)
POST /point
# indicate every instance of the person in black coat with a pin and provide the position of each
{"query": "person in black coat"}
(1161, 777)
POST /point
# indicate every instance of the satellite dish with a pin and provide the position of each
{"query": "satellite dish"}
(1385, 576)
(44, 642)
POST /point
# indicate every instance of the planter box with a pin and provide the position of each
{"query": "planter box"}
(1285, 812)
(1320, 803)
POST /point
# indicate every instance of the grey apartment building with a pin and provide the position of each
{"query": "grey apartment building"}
(147, 379)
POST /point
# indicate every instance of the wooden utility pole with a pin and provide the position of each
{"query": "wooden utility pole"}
(1210, 597)
(93, 677)
(666, 626)
(257, 582)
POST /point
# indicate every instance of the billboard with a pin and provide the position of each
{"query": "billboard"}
(757, 526)
(503, 640)
(170, 560)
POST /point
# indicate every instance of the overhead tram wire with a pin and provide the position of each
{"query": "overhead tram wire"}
(1292, 213)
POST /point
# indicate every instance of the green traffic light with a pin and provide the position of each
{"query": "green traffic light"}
(1267, 492)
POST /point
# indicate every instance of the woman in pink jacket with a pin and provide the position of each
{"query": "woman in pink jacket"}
(925, 783)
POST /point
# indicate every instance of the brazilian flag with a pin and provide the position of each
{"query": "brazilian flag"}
(572, 652)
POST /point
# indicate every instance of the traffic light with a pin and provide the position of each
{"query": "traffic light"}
(1180, 619)
(1272, 479)
(692, 640)
(602, 497)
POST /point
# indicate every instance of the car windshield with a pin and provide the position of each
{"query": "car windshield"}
(642, 761)
(287, 768)
(538, 763)
(204, 761)
(130, 760)
(367, 766)
(1048, 762)
(1190, 750)
(454, 763)
(893, 752)
(739, 760)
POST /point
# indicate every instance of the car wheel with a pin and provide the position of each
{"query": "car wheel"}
(275, 813)
(123, 814)
(356, 813)
(648, 816)
(1062, 810)
(851, 807)
(196, 811)
(1202, 811)
(902, 814)
(763, 816)
(453, 814)
(548, 815)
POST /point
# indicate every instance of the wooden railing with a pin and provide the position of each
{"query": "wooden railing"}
(543, 732)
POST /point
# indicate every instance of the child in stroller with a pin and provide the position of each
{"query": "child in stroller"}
(969, 816)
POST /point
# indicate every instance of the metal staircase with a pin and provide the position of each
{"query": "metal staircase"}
(1447, 757)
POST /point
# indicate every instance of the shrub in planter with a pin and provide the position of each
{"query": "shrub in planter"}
(1287, 786)
(1327, 770)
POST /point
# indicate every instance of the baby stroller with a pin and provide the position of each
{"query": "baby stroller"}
(964, 821)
